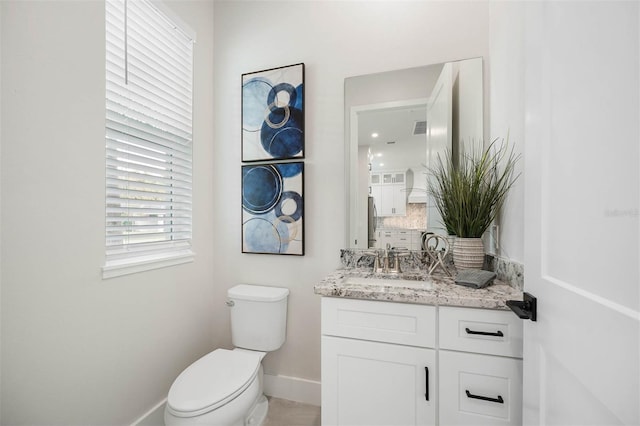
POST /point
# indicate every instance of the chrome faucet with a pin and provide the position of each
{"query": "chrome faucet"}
(395, 269)
(387, 261)
(381, 265)
(384, 259)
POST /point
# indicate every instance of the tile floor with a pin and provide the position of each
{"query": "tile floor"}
(283, 412)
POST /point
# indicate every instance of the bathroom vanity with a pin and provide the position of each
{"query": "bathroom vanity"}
(418, 352)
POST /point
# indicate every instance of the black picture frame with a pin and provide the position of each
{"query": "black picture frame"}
(273, 208)
(273, 114)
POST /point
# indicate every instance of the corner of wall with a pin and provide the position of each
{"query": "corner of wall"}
(1, 26)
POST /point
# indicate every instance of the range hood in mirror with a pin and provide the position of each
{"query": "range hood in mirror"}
(417, 185)
(417, 196)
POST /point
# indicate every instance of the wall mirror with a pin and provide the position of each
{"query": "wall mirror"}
(396, 125)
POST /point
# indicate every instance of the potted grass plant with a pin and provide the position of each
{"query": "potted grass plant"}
(469, 195)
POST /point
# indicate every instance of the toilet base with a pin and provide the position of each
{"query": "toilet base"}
(258, 414)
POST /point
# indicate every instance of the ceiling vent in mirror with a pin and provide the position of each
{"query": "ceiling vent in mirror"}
(420, 128)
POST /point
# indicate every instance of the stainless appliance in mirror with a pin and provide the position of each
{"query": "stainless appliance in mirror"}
(396, 125)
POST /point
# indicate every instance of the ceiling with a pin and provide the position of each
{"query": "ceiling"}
(395, 142)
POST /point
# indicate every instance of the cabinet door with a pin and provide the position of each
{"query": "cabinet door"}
(370, 383)
(480, 389)
(391, 200)
(398, 177)
(399, 200)
(387, 178)
(386, 207)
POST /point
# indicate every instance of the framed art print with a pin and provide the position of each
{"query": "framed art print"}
(273, 208)
(273, 114)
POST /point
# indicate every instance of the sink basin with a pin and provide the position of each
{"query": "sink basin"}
(388, 282)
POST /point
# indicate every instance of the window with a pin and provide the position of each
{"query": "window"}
(149, 79)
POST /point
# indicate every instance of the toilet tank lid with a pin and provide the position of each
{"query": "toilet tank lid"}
(257, 293)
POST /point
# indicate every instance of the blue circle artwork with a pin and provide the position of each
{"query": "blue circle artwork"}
(281, 133)
(261, 188)
(255, 93)
(288, 170)
(282, 87)
(261, 235)
(298, 103)
(296, 198)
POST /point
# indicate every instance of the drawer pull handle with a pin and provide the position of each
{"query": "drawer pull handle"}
(484, 333)
(426, 380)
(499, 399)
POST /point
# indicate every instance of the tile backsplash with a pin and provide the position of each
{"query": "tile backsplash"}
(416, 218)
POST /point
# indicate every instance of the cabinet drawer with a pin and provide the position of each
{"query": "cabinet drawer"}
(480, 389)
(481, 330)
(390, 322)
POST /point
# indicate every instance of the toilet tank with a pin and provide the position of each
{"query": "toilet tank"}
(258, 316)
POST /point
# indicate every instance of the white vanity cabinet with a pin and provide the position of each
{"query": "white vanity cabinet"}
(480, 367)
(387, 363)
(378, 363)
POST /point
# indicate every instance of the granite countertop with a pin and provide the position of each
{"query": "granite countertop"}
(442, 292)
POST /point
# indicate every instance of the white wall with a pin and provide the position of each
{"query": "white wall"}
(335, 40)
(506, 93)
(77, 349)
(0, 217)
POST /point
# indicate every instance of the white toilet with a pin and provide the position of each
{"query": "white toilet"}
(224, 387)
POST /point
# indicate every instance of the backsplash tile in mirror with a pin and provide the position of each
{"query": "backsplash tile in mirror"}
(416, 218)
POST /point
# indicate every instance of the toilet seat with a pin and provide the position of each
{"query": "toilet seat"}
(212, 381)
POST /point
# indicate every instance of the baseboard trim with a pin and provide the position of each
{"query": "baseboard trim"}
(292, 388)
(285, 387)
(153, 417)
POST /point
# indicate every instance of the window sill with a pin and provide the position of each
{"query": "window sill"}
(117, 268)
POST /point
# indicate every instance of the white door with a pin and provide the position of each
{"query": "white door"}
(581, 357)
(439, 122)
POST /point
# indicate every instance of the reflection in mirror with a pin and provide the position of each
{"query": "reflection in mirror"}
(396, 125)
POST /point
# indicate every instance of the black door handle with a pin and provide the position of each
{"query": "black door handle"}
(526, 308)
(484, 333)
(499, 399)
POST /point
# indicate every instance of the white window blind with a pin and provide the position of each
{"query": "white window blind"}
(149, 78)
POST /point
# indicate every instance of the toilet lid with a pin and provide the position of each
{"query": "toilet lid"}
(212, 381)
